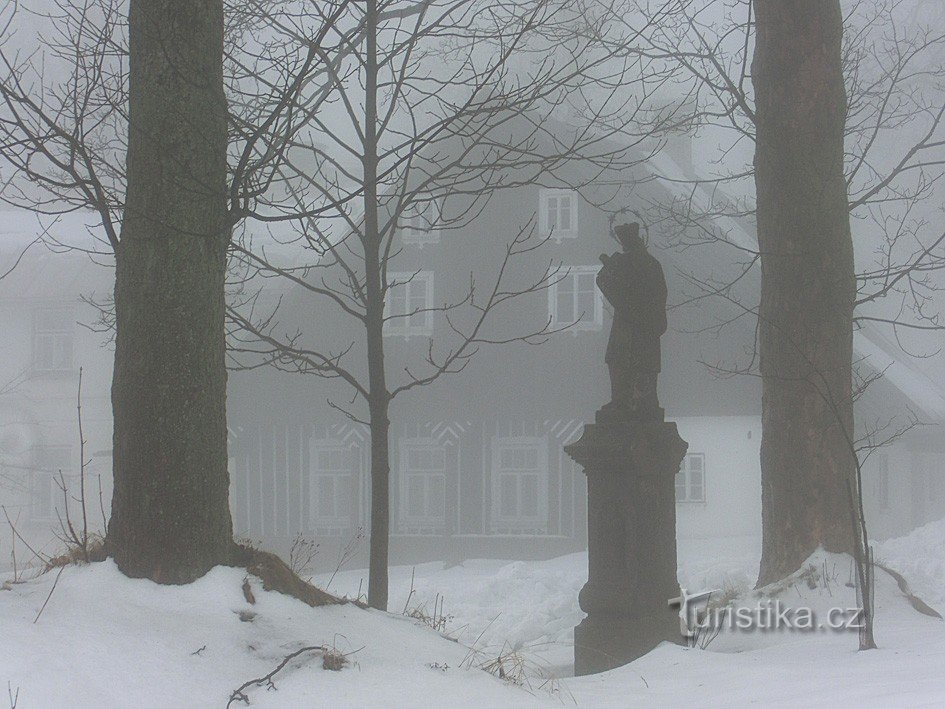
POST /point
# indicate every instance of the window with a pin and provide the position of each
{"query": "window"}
(45, 494)
(419, 224)
(519, 485)
(557, 215)
(423, 486)
(334, 487)
(409, 303)
(53, 340)
(690, 480)
(574, 300)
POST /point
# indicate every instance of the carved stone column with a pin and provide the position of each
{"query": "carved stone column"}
(631, 468)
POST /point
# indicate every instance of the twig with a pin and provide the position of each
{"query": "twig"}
(17, 535)
(61, 569)
(346, 555)
(410, 595)
(239, 695)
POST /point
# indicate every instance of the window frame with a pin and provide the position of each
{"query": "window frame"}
(596, 322)
(42, 472)
(347, 475)
(399, 325)
(520, 523)
(545, 196)
(411, 234)
(65, 333)
(685, 470)
(426, 523)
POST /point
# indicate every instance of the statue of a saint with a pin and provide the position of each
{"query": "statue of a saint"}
(633, 283)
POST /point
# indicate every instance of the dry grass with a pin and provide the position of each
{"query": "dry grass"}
(94, 551)
(333, 659)
(437, 620)
(512, 665)
(301, 554)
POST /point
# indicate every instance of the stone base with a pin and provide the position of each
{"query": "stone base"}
(631, 530)
(603, 642)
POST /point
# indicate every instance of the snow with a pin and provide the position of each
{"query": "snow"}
(107, 641)
(920, 557)
(525, 606)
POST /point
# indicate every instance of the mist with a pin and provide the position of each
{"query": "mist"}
(557, 345)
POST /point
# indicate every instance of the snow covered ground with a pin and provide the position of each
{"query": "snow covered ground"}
(107, 641)
(526, 606)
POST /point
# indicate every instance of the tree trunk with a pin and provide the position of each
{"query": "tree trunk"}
(380, 508)
(170, 511)
(374, 269)
(379, 416)
(808, 283)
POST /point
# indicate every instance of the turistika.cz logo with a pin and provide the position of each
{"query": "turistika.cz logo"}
(698, 616)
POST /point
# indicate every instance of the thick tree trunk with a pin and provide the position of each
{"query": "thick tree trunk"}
(170, 511)
(808, 283)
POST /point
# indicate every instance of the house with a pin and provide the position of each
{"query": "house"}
(47, 323)
(478, 468)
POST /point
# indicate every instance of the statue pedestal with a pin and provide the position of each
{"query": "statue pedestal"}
(631, 467)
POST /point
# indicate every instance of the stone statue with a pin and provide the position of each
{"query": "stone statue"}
(633, 283)
(631, 456)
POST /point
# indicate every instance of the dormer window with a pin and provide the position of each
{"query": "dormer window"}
(558, 214)
(420, 223)
(53, 340)
(409, 305)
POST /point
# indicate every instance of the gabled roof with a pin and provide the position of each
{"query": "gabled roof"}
(902, 371)
(911, 376)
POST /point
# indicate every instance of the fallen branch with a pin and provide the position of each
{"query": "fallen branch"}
(239, 694)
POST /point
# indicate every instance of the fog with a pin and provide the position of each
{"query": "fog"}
(478, 176)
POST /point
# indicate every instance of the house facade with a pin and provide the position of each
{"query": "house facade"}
(45, 341)
(477, 461)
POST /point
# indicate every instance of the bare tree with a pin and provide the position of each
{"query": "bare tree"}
(439, 100)
(439, 105)
(144, 144)
(887, 109)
